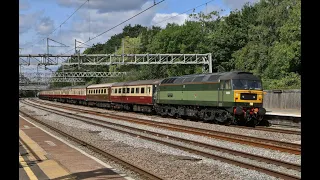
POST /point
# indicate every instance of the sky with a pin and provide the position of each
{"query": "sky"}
(39, 19)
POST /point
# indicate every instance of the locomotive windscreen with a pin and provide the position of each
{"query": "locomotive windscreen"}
(238, 84)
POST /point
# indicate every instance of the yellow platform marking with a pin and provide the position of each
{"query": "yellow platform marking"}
(29, 155)
(27, 169)
(53, 170)
(33, 145)
(50, 167)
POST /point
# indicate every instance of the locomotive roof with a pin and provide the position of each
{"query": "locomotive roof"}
(210, 77)
(100, 85)
(141, 82)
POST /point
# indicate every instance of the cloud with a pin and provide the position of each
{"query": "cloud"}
(99, 23)
(103, 6)
(27, 21)
(45, 26)
(91, 23)
(23, 5)
(163, 19)
(237, 4)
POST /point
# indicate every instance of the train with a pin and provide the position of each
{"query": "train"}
(234, 97)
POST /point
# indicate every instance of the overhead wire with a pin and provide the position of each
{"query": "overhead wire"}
(119, 24)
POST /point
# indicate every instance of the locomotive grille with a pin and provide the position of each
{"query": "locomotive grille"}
(248, 96)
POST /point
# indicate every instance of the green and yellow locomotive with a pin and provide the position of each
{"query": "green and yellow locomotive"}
(229, 97)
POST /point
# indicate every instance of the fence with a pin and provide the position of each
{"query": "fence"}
(282, 99)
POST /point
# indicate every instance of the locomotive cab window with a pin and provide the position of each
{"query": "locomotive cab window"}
(246, 84)
(221, 85)
(227, 84)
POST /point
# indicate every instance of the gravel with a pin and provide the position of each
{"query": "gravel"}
(248, 132)
(164, 161)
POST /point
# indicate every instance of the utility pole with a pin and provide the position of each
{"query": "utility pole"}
(122, 50)
(48, 46)
(75, 46)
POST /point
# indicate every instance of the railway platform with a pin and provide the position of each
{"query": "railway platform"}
(43, 155)
(284, 112)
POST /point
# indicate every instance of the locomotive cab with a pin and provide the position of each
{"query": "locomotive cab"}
(248, 99)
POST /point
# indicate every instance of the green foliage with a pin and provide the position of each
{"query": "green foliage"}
(290, 81)
(263, 38)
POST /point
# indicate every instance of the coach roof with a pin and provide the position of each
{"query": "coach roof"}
(105, 85)
(141, 82)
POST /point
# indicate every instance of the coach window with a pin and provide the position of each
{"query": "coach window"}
(137, 90)
(148, 90)
(115, 91)
(132, 90)
(142, 90)
(105, 91)
(128, 90)
(119, 90)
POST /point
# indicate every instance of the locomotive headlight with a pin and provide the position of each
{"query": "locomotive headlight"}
(236, 96)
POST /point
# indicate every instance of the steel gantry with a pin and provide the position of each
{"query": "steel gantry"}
(113, 59)
(32, 77)
(49, 80)
(75, 74)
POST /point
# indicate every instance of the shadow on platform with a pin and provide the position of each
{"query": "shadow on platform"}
(99, 174)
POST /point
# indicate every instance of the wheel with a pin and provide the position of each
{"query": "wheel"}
(221, 116)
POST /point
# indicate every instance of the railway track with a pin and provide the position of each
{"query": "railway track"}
(269, 129)
(257, 128)
(242, 139)
(119, 160)
(105, 124)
